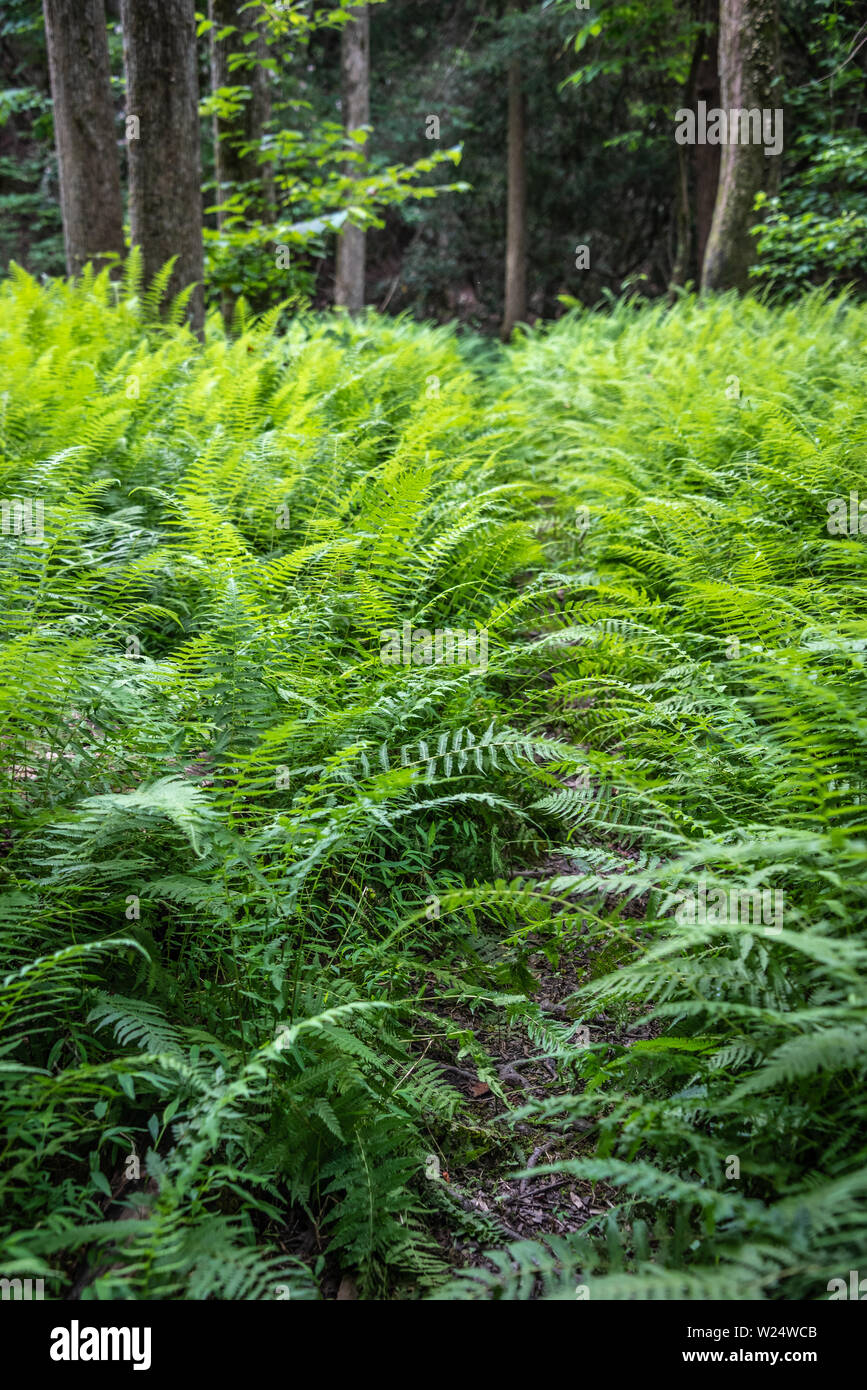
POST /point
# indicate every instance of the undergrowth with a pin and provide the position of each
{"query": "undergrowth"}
(252, 871)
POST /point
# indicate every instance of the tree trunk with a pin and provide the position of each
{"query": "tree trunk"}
(162, 92)
(84, 131)
(355, 70)
(236, 140)
(748, 49)
(515, 309)
(683, 225)
(697, 166)
(705, 158)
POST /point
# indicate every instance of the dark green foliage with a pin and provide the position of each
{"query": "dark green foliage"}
(711, 660)
(225, 818)
(219, 802)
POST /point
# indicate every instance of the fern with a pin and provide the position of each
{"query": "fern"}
(260, 887)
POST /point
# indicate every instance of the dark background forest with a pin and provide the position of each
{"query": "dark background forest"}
(600, 88)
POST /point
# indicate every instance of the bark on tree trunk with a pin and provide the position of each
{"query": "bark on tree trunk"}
(355, 69)
(162, 91)
(236, 140)
(748, 47)
(683, 225)
(84, 131)
(697, 165)
(706, 158)
(515, 308)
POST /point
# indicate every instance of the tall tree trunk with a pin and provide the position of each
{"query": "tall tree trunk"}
(705, 158)
(355, 69)
(748, 54)
(84, 130)
(515, 309)
(697, 165)
(162, 91)
(236, 139)
(683, 227)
